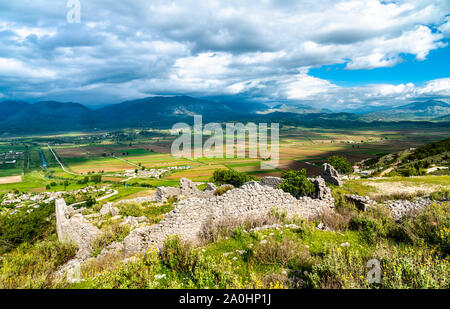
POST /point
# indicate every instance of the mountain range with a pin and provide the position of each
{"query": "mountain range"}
(19, 116)
(425, 110)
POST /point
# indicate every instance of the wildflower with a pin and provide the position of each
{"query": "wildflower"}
(163, 276)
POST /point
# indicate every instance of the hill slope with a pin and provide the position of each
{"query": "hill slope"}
(427, 110)
(414, 162)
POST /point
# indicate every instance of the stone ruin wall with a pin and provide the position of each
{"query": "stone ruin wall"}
(196, 209)
(73, 228)
(249, 201)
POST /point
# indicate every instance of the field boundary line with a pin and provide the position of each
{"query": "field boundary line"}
(62, 165)
(126, 161)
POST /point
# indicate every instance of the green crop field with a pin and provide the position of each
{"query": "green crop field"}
(109, 154)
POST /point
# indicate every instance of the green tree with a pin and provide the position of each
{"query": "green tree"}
(90, 202)
(229, 177)
(296, 183)
(411, 171)
(96, 178)
(340, 164)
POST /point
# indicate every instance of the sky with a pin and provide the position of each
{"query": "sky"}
(340, 55)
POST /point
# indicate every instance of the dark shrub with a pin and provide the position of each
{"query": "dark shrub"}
(370, 228)
(96, 178)
(90, 201)
(229, 177)
(296, 183)
(340, 164)
(222, 190)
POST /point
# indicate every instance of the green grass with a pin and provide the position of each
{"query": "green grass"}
(354, 187)
(124, 192)
(33, 180)
(153, 182)
(417, 180)
(11, 169)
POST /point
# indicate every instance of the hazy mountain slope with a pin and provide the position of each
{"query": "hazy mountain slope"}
(163, 109)
(9, 108)
(51, 114)
(294, 108)
(442, 118)
(427, 110)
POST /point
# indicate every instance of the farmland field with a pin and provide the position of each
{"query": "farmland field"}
(111, 154)
(10, 179)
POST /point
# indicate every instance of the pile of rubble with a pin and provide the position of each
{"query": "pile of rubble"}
(363, 203)
(400, 208)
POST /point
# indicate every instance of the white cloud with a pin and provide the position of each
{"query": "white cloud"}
(305, 86)
(256, 49)
(445, 27)
(440, 87)
(14, 68)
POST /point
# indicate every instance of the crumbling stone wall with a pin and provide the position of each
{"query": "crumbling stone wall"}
(72, 227)
(187, 188)
(329, 174)
(250, 200)
(271, 181)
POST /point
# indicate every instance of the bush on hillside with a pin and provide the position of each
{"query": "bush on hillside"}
(178, 256)
(229, 177)
(131, 209)
(430, 226)
(430, 150)
(223, 190)
(340, 164)
(96, 178)
(110, 234)
(26, 227)
(32, 266)
(296, 183)
(411, 171)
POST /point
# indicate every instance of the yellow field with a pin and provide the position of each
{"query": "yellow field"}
(10, 179)
(113, 165)
(159, 160)
(197, 173)
(144, 193)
